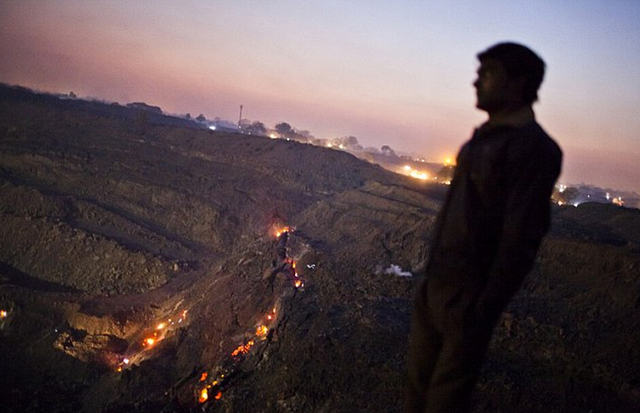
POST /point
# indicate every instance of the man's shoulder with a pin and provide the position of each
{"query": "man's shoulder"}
(532, 144)
(532, 138)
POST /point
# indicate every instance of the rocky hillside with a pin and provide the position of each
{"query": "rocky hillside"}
(142, 270)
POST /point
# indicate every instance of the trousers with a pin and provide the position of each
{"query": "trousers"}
(447, 345)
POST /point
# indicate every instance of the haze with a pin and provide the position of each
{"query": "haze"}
(390, 73)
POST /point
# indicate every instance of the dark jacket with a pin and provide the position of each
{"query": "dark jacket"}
(496, 212)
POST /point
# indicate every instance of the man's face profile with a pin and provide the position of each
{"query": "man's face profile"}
(495, 91)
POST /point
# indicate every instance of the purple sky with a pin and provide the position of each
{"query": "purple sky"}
(395, 73)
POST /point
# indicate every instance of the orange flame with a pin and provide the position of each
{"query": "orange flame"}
(262, 331)
(3, 313)
(204, 376)
(243, 349)
(204, 395)
(218, 396)
(282, 231)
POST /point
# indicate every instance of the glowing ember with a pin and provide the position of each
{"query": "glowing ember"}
(149, 340)
(243, 349)
(204, 395)
(280, 231)
(4, 314)
(262, 331)
(283, 265)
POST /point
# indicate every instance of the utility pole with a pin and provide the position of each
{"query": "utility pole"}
(240, 119)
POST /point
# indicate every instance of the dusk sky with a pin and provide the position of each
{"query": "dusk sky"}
(395, 73)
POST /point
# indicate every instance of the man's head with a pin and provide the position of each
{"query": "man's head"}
(519, 72)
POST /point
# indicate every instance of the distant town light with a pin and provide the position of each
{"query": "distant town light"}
(420, 175)
(212, 127)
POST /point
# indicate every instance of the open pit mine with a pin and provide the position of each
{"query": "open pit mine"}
(150, 265)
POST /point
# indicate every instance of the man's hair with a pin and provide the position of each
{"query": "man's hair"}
(519, 62)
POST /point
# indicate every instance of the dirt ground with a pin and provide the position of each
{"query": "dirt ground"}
(140, 270)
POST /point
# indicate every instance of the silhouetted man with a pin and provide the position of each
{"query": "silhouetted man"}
(487, 234)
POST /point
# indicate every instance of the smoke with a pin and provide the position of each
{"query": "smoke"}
(396, 270)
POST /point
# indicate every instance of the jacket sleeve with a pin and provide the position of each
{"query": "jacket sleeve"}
(532, 167)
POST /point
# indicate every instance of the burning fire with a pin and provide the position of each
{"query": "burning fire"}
(4, 314)
(280, 231)
(287, 266)
(204, 395)
(243, 348)
(295, 277)
(260, 334)
(262, 331)
(414, 173)
(152, 339)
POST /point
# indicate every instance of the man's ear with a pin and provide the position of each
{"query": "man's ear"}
(516, 87)
(519, 85)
